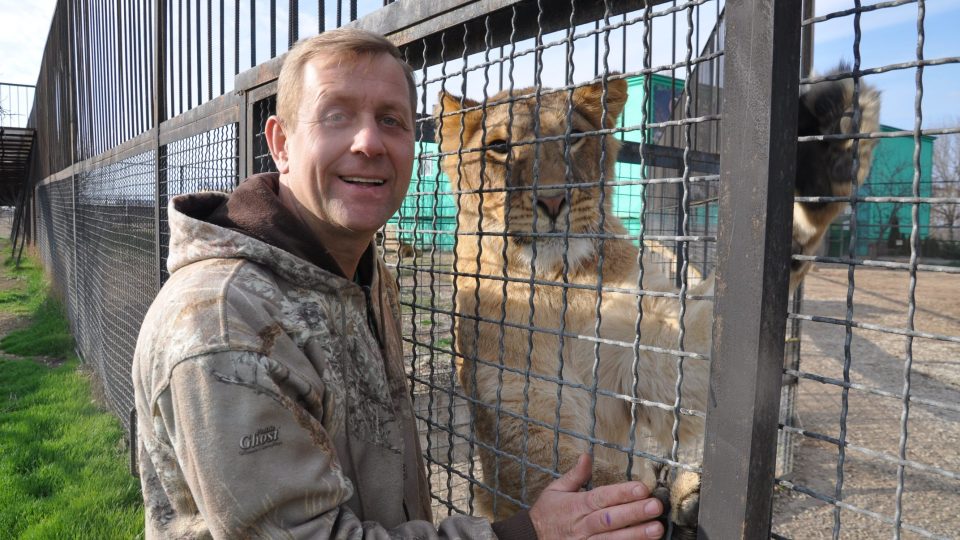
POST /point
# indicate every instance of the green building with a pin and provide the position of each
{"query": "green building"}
(629, 192)
(884, 228)
(427, 216)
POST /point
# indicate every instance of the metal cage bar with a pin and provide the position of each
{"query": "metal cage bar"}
(761, 62)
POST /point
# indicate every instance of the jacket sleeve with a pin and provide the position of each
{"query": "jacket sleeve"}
(248, 437)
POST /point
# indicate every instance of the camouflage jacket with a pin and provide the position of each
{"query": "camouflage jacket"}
(267, 407)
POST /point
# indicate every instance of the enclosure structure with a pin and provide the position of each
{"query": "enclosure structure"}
(139, 102)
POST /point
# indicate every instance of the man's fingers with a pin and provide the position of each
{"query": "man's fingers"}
(575, 478)
(624, 515)
(646, 531)
(603, 496)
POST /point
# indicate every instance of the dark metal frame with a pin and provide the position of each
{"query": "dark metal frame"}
(756, 200)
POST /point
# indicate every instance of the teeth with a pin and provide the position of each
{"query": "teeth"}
(361, 180)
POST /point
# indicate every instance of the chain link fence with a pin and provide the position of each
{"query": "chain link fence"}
(583, 170)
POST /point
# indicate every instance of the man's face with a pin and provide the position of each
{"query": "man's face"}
(347, 163)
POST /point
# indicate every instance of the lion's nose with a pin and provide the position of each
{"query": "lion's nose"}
(552, 205)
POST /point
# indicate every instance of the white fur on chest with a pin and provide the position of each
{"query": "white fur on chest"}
(549, 255)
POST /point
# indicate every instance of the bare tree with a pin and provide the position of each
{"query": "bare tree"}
(946, 183)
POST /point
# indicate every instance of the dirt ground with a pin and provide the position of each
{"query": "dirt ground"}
(931, 485)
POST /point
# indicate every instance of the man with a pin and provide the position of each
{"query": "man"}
(270, 390)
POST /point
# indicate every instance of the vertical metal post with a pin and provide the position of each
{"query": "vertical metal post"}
(792, 354)
(72, 95)
(244, 136)
(293, 23)
(758, 158)
(73, 290)
(806, 39)
(678, 231)
(159, 115)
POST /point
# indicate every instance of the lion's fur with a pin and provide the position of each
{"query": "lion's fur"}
(483, 303)
(520, 280)
(824, 167)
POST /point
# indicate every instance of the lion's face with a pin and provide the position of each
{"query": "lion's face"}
(513, 173)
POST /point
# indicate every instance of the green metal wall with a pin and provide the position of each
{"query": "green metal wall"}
(883, 228)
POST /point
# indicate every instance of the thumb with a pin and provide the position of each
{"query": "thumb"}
(574, 479)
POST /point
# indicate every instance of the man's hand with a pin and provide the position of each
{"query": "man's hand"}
(606, 512)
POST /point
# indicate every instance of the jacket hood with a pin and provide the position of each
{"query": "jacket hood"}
(193, 239)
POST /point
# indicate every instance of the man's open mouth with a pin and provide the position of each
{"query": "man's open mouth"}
(363, 181)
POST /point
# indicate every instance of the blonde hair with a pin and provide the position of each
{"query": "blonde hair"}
(343, 44)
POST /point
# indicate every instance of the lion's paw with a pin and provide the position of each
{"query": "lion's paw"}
(685, 504)
(681, 504)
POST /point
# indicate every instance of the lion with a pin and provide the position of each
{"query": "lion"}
(546, 282)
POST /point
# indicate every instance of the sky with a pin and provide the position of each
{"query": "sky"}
(888, 36)
(23, 33)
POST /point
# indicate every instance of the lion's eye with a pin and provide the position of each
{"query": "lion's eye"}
(498, 146)
(576, 137)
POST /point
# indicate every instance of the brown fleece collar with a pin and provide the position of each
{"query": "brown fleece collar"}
(254, 209)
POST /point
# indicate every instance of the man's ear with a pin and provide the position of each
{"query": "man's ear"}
(277, 142)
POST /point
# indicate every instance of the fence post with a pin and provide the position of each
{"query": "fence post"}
(757, 161)
(244, 135)
(159, 115)
(73, 290)
(73, 294)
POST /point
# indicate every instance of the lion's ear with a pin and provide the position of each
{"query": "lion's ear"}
(589, 100)
(450, 123)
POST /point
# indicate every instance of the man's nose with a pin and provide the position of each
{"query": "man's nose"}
(368, 140)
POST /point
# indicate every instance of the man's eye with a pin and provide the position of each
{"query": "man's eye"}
(392, 121)
(335, 118)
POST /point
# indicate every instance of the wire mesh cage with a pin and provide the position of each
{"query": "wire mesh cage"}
(556, 249)
(207, 161)
(55, 233)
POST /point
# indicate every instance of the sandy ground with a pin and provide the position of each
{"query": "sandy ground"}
(931, 488)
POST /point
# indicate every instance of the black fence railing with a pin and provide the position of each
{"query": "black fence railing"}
(139, 102)
(15, 103)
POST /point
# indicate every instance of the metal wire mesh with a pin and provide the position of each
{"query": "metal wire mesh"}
(115, 272)
(55, 237)
(262, 160)
(876, 413)
(207, 161)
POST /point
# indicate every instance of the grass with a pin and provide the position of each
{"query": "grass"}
(63, 462)
(48, 333)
